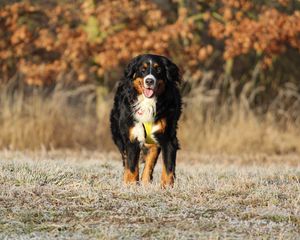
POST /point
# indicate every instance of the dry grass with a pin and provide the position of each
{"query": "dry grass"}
(242, 132)
(61, 121)
(78, 118)
(58, 120)
(61, 195)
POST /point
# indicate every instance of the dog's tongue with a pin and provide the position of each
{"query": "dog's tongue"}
(148, 92)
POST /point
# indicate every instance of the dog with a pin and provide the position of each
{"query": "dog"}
(147, 107)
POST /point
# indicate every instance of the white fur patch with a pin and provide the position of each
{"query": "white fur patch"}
(155, 128)
(138, 132)
(144, 109)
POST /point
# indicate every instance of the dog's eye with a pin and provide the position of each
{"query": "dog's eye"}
(143, 70)
(158, 69)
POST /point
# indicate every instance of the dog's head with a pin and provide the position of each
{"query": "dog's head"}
(151, 74)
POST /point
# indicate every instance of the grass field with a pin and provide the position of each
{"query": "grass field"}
(68, 195)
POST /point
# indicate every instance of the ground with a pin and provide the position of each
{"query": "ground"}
(68, 195)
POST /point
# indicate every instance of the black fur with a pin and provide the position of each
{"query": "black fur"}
(168, 106)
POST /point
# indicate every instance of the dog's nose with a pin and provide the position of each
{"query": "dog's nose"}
(149, 81)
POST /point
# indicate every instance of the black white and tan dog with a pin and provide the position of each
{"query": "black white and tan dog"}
(146, 109)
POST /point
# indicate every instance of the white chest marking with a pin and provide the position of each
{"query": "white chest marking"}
(144, 112)
(144, 109)
(139, 133)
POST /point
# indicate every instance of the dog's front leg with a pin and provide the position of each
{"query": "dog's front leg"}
(169, 161)
(133, 148)
(131, 171)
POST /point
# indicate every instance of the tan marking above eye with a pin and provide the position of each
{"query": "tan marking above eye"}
(155, 65)
(144, 67)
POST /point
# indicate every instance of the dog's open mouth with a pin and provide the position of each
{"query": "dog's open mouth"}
(148, 92)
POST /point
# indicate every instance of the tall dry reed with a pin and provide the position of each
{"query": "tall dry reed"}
(79, 119)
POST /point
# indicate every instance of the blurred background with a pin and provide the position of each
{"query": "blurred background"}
(60, 61)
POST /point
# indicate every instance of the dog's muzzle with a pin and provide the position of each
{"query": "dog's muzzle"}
(149, 81)
(149, 86)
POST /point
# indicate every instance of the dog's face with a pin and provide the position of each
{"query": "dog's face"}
(149, 77)
(151, 73)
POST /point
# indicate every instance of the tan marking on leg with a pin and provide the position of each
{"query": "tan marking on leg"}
(137, 84)
(150, 161)
(167, 179)
(131, 177)
(131, 136)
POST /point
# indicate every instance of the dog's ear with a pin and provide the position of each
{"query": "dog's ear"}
(131, 68)
(172, 71)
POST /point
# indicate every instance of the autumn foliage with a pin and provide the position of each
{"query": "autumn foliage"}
(91, 41)
(86, 42)
(270, 33)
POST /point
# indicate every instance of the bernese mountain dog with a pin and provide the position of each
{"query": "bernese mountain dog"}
(147, 107)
